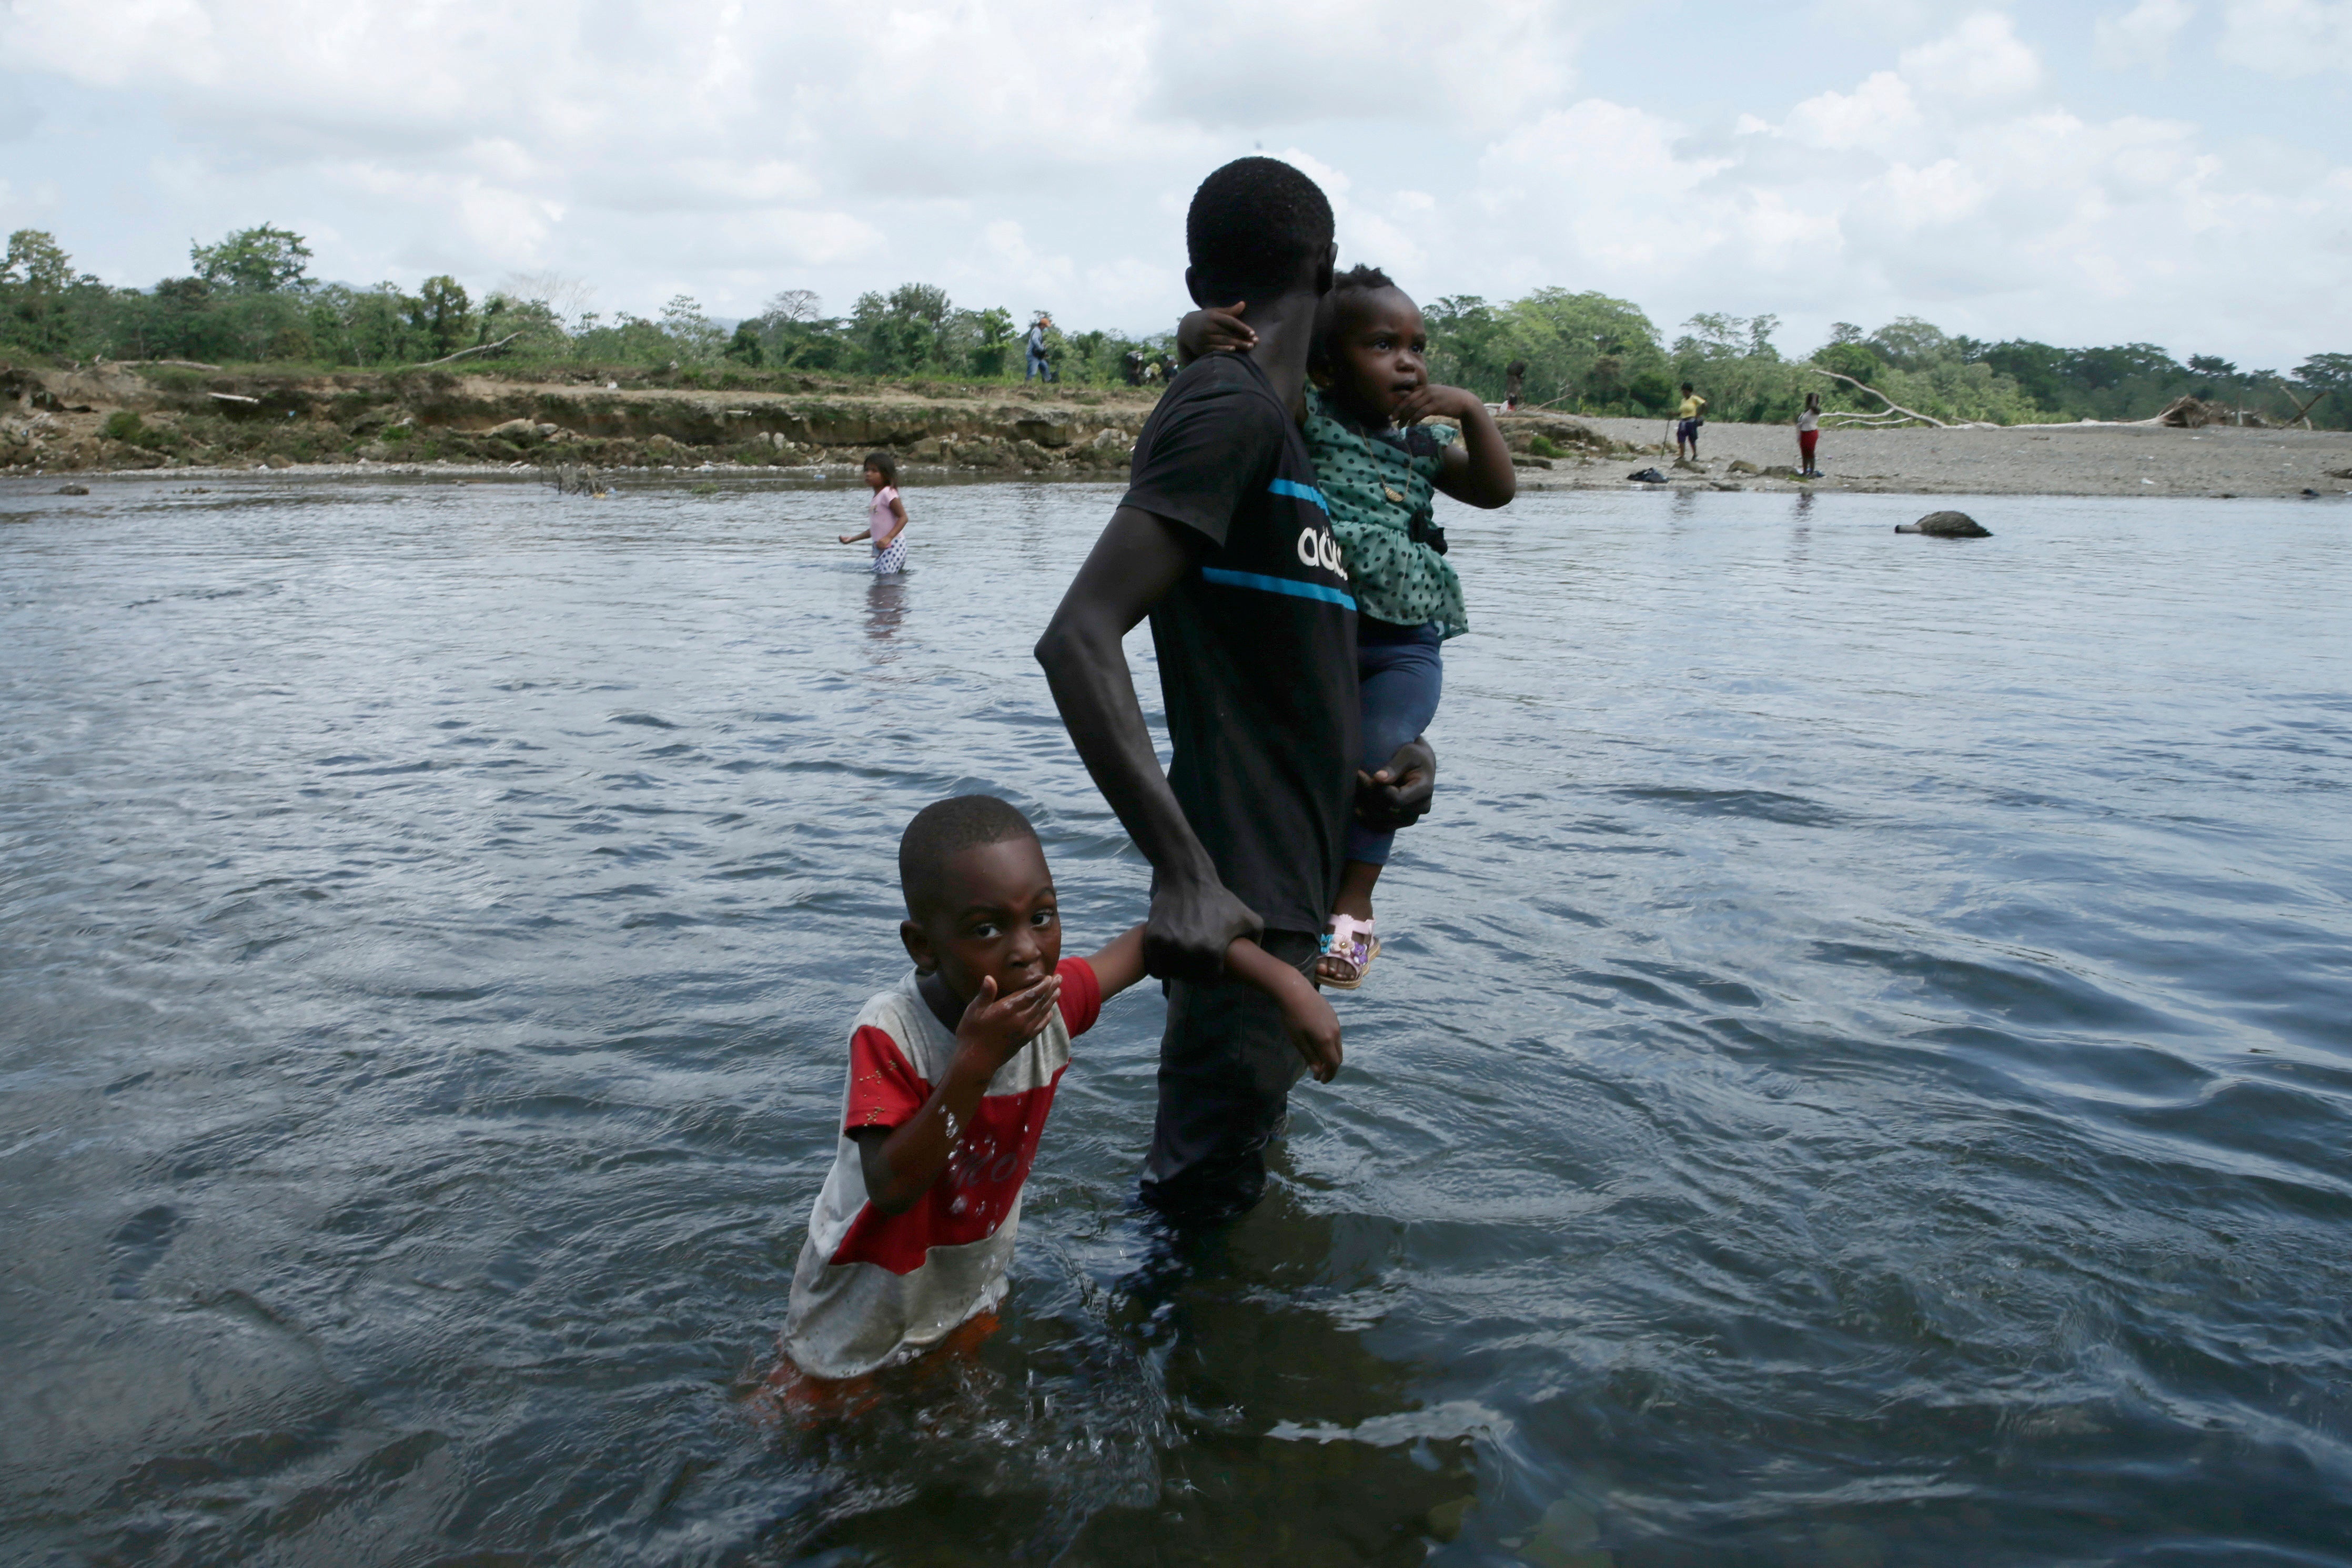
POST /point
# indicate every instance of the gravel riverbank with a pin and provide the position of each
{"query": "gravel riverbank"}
(2019, 460)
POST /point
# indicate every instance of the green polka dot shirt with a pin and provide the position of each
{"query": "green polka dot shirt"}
(1376, 486)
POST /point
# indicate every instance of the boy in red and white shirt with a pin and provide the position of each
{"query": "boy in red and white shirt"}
(951, 1073)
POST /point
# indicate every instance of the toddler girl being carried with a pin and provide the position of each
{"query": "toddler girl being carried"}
(1376, 465)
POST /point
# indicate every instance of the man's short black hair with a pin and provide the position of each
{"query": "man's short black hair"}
(943, 830)
(1252, 225)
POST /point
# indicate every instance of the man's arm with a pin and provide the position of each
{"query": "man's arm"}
(1135, 564)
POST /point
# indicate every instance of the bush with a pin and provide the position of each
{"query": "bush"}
(1652, 390)
(124, 427)
(1848, 359)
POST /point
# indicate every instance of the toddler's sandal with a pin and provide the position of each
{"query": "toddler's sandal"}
(1349, 949)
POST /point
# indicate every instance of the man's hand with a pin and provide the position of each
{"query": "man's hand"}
(1398, 796)
(1191, 925)
(993, 1029)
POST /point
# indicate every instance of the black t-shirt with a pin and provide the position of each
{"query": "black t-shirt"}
(1256, 644)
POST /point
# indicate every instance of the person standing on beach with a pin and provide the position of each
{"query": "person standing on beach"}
(1224, 541)
(1809, 436)
(1038, 365)
(1687, 420)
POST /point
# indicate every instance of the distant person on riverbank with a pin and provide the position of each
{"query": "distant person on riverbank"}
(1377, 466)
(1514, 381)
(951, 1074)
(1039, 325)
(886, 516)
(1687, 420)
(1222, 539)
(1809, 436)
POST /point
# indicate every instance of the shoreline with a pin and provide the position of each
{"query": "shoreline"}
(2017, 460)
(113, 421)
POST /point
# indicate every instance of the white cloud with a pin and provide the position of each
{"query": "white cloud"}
(1228, 64)
(2141, 38)
(1879, 109)
(1041, 153)
(1982, 57)
(2289, 38)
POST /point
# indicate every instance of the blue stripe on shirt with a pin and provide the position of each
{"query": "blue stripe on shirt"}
(1265, 584)
(1304, 492)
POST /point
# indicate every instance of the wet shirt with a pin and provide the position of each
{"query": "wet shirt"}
(1256, 643)
(873, 1288)
(1377, 482)
(881, 519)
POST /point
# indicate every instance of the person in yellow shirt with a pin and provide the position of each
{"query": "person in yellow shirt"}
(1688, 419)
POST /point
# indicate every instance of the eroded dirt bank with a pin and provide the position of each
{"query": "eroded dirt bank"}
(122, 417)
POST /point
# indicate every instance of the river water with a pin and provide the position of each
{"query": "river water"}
(1861, 1074)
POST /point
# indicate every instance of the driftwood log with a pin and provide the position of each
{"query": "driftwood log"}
(2302, 409)
(477, 348)
(1898, 409)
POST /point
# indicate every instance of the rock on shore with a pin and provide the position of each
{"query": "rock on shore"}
(1947, 526)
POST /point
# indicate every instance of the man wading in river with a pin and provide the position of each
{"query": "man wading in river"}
(1223, 540)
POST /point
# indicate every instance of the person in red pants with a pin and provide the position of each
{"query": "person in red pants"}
(1809, 436)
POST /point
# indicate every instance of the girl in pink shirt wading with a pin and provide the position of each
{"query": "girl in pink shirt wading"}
(886, 516)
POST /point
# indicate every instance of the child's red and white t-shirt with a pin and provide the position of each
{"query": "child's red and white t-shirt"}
(873, 1288)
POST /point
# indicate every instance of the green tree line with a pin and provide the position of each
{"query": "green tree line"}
(1589, 354)
(249, 298)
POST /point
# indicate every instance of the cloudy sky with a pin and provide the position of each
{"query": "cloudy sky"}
(2077, 171)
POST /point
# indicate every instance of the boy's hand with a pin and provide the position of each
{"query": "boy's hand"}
(1435, 400)
(992, 1028)
(1215, 330)
(1314, 1028)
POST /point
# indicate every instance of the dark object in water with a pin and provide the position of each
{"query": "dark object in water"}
(2309, 491)
(1648, 476)
(73, 489)
(1947, 526)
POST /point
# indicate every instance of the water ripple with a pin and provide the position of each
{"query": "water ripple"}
(1859, 1073)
